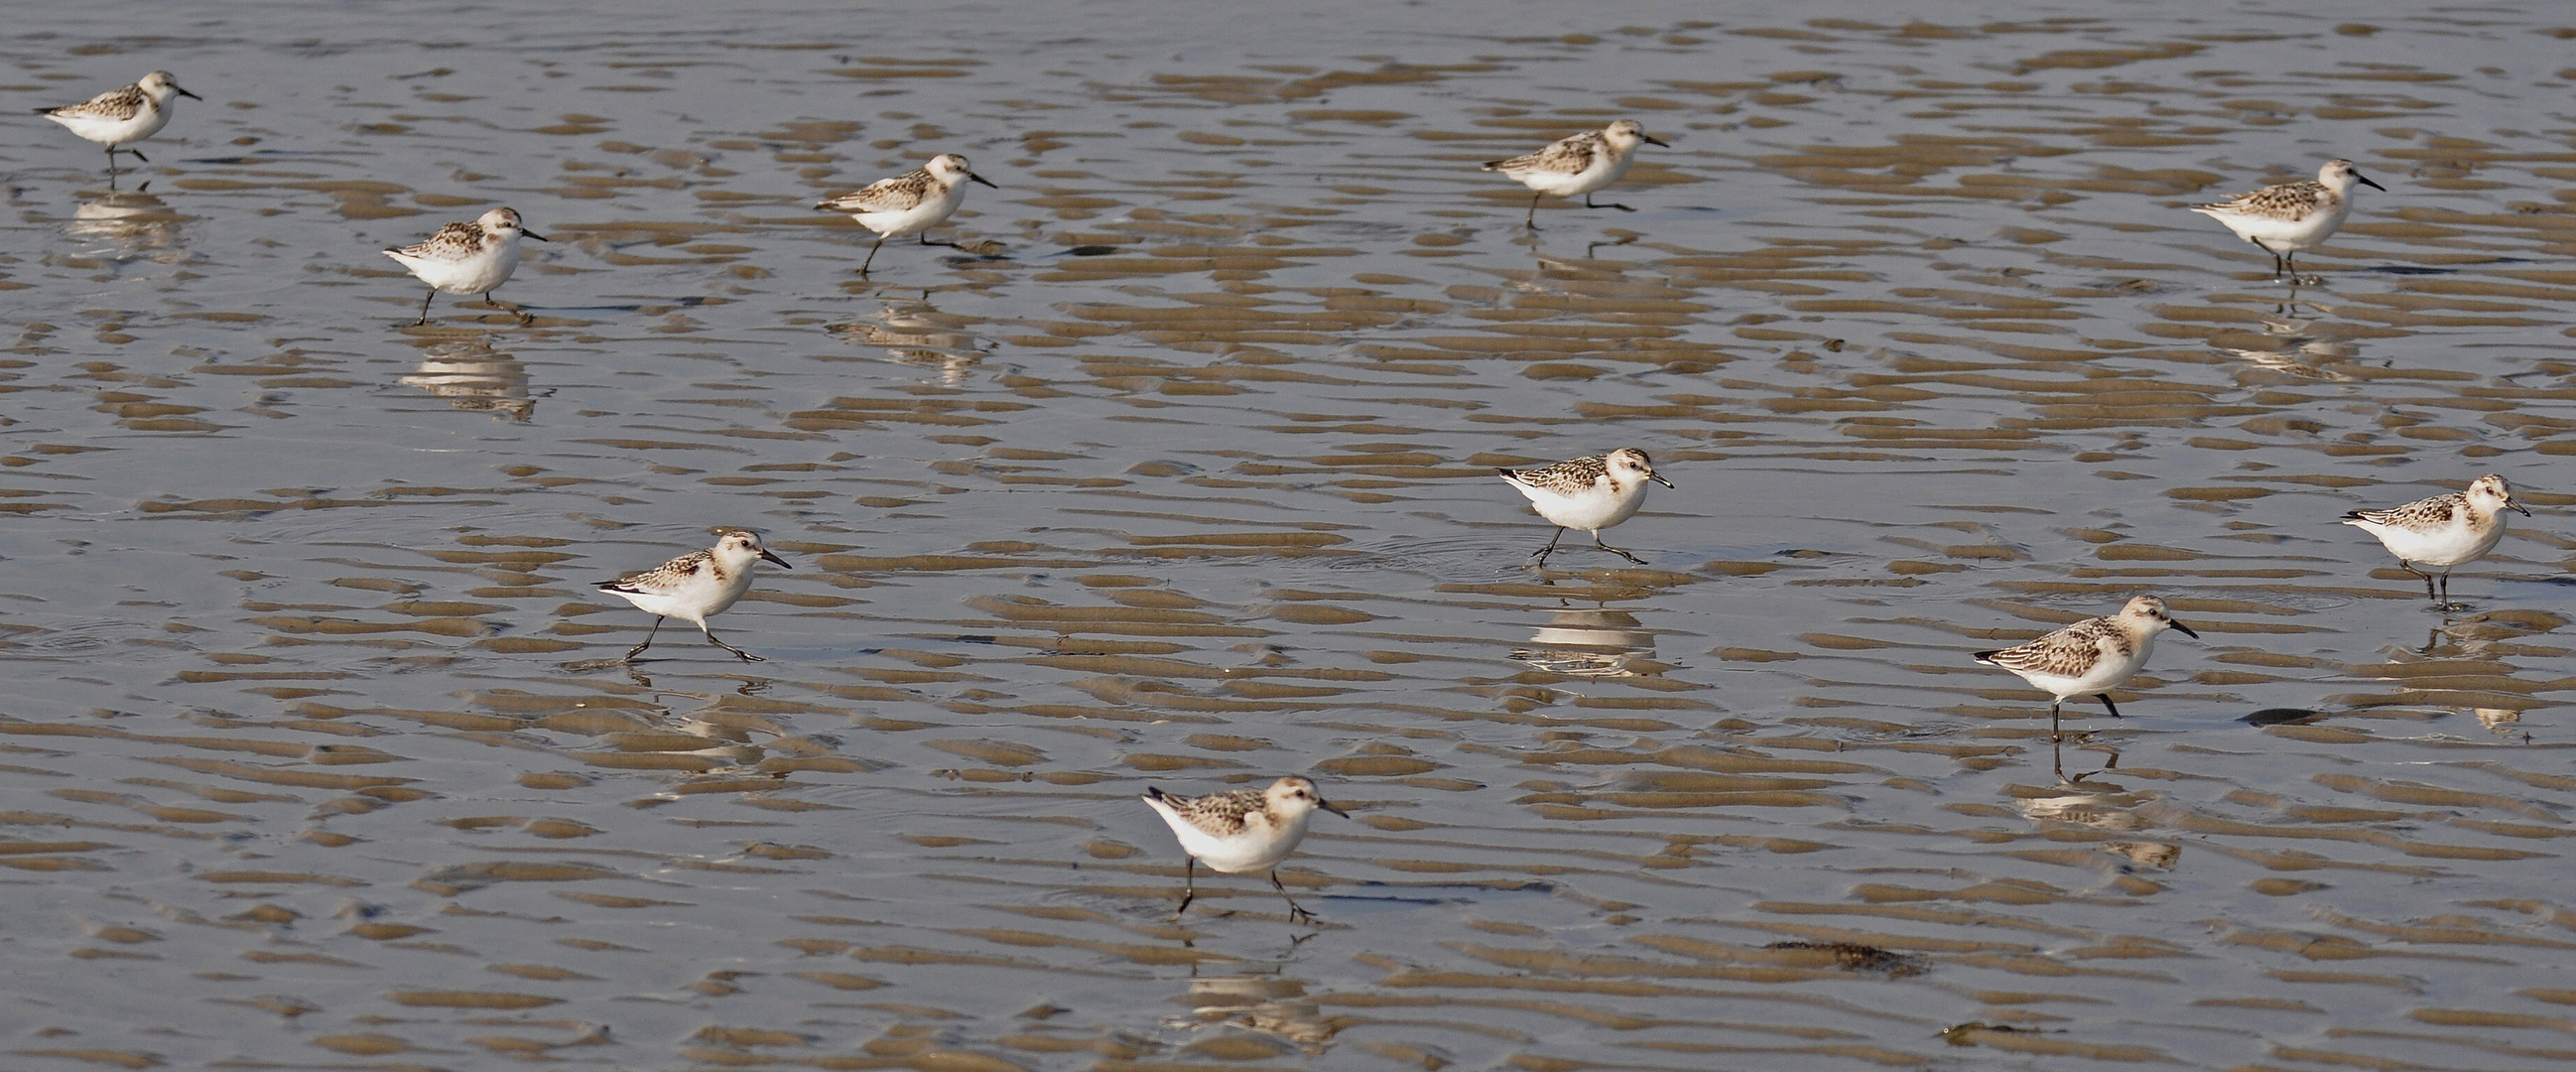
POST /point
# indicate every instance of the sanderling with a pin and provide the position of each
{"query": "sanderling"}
(1241, 830)
(695, 586)
(122, 116)
(2090, 656)
(1591, 494)
(2445, 530)
(910, 203)
(2292, 216)
(1576, 166)
(468, 258)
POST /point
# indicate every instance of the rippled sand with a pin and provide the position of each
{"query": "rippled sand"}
(1179, 473)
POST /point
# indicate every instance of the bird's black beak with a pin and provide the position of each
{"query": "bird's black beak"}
(2365, 180)
(174, 88)
(534, 235)
(1653, 140)
(782, 563)
(1321, 803)
(973, 177)
(2186, 630)
(1659, 478)
(2519, 508)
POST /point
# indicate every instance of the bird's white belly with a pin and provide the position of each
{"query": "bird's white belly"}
(1597, 508)
(2442, 547)
(144, 124)
(1576, 184)
(912, 221)
(2277, 234)
(695, 602)
(1250, 851)
(470, 275)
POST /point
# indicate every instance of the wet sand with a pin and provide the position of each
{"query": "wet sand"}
(1180, 473)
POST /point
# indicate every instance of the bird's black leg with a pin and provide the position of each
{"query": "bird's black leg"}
(746, 656)
(2106, 704)
(1596, 542)
(1587, 203)
(1532, 221)
(638, 649)
(925, 240)
(2057, 758)
(1543, 552)
(2428, 578)
(1189, 885)
(1296, 914)
(424, 307)
(138, 154)
(2053, 705)
(496, 303)
(872, 257)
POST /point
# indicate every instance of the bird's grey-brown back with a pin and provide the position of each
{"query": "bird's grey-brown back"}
(1564, 478)
(1569, 155)
(123, 103)
(2068, 652)
(904, 191)
(1221, 814)
(672, 572)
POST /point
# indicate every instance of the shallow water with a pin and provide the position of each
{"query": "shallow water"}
(1180, 475)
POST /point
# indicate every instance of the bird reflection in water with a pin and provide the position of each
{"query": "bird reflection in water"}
(2110, 810)
(915, 333)
(2291, 345)
(1262, 1004)
(2505, 722)
(1592, 643)
(135, 219)
(471, 375)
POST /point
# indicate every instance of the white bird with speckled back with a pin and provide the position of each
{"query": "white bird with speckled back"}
(468, 258)
(2089, 657)
(1590, 493)
(1578, 165)
(2288, 217)
(695, 587)
(1241, 831)
(910, 203)
(121, 117)
(2445, 530)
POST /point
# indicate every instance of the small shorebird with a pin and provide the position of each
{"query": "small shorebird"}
(2292, 216)
(695, 586)
(122, 116)
(2445, 530)
(910, 203)
(1576, 166)
(1241, 831)
(1590, 493)
(468, 258)
(2089, 657)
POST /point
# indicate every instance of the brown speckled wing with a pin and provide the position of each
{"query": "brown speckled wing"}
(1569, 156)
(2068, 652)
(456, 241)
(901, 192)
(114, 104)
(1567, 477)
(2288, 201)
(663, 577)
(2430, 513)
(1220, 814)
